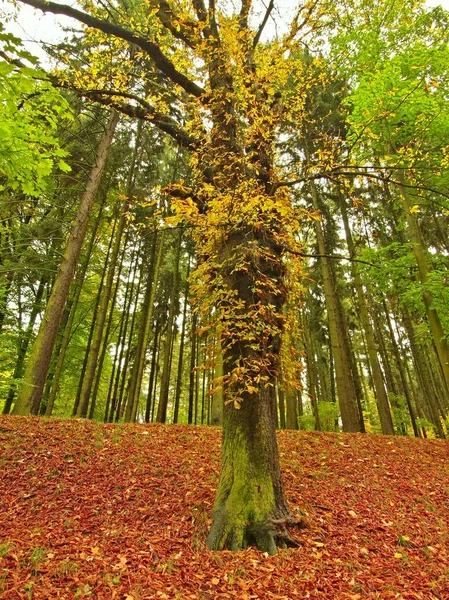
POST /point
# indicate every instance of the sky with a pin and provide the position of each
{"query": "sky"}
(33, 26)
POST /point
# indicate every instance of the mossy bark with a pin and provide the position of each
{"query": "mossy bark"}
(250, 506)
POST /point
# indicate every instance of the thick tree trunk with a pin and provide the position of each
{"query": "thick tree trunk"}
(30, 395)
(250, 507)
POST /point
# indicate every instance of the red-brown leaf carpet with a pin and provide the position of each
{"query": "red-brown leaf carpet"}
(104, 512)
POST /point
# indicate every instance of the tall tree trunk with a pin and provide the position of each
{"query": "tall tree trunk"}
(433, 317)
(54, 376)
(30, 395)
(23, 345)
(181, 349)
(347, 397)
(400, 367)
(383, 406)
(217, 396)
(165, 377)
(152, 378)
(144, 330)
(122, 375)
(93, 362)
(192, 373)
(121, 340)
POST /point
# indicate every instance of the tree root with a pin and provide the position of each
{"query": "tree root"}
(267, 535)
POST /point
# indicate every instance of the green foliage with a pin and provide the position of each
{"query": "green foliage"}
(31, 111)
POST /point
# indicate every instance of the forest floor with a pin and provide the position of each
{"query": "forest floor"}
(121, 512)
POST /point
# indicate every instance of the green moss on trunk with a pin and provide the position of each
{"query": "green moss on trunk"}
(250, 507)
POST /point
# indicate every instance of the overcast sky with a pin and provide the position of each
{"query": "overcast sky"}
(33, 26)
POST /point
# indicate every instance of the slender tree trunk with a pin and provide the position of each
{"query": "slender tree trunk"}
(281, 405)
(54, 378)
(121, 340)
(181, 349)
(30, 395)
(193, 343)
(426, 394)
(383, 406)
(23, 345)
(400, 368)
(122, 376)
(152, 379)
(144, 330)
(165, 377)
(347, 398)
(433, 317)
(92, 364)
(217, 396)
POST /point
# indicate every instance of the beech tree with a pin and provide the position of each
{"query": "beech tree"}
(210, 62)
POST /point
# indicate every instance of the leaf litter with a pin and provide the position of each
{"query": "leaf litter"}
(121, 512)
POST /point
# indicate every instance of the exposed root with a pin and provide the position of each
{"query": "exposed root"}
(267, 536)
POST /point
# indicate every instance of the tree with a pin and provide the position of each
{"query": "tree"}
(244, 221)
(30, 395)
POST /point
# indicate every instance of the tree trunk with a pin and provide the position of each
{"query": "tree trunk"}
(23, 345)
(433, 317)
(30, 395)
(346, 392)
(181, 349)
(146, 322)
(192, 372)
(383, 406)
(250, 507)
(165, 377)
(152, 379)
(54, 376)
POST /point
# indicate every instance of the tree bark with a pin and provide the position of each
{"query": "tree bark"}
(346, 392)
(383, 406)
(30, 395)
(250, 507)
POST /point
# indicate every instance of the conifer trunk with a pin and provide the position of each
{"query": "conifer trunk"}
(347, 398)
(383, 406)
(30, 395)
(23, 345)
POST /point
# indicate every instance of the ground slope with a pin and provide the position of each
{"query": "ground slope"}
(121, 512)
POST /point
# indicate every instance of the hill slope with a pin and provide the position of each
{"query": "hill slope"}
(121, 512)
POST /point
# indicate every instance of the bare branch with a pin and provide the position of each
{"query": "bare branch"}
(333, 256)
(262, 25)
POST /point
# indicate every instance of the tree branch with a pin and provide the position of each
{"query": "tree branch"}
(171, 22)
(145, 112)
(164, 64)
(333, 256)
(262, 25)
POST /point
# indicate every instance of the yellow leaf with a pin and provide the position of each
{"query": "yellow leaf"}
(398, 555)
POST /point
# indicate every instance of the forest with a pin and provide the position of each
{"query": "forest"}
(229, 213)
